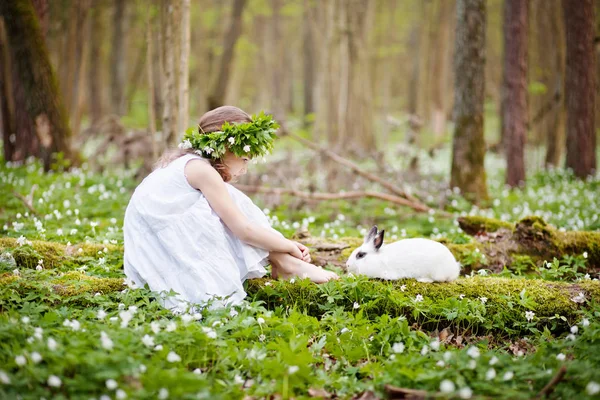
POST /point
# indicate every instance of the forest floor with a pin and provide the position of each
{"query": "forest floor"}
(70, 327)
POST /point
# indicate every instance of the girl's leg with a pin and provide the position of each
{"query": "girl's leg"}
(286, 266)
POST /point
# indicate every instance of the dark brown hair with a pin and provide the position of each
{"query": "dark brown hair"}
(209, 122)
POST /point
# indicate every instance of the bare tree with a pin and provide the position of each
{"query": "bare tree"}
(580, 86)
(184, 71)
(38, 101)
(514, 107)
(468, 147)
(95, 36)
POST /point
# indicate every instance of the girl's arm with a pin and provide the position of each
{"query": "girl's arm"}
(205, 178)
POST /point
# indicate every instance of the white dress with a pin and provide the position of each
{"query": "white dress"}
(174, 240)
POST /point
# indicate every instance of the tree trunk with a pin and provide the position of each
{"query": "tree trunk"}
(555, 124)
(6, 106)
(39, 101)
(440, 69)
(95, 37)
(468, 148)
(309, 62)
(43, 13)
(580, 86)
(118, 72)
(169, 116)
(514, 109)
(184, 95)
(219, 88)
(83, 7)
(151, 93)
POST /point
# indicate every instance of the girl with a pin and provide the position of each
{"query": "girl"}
(188, 230)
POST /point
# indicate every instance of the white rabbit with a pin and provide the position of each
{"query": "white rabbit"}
(423, 259)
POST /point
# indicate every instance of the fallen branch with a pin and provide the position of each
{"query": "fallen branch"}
(27, 200)
(555, 381)
(338, 196)
(341, 160)
(404, 393)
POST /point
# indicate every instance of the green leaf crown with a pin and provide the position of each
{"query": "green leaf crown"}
(247, 139)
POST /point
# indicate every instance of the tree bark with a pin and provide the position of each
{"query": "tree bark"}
(580, 86)
(151, 93)
(117, 59)
(219, 88)
(309, 62)
(43, 13)
(39, 101)
(83, 7)
(468, 148)
(184, 88)
(555, 125)
(440, 69)
(169, 116)
(514, 109)
(6, 105)
(95, 37)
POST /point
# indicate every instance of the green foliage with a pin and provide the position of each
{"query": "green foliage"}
(248, 139)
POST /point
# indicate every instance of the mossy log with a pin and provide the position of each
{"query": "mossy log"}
(478, 304)
(530, 237)
(69, 286)
(54, 254)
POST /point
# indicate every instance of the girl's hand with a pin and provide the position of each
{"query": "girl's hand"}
(305, 252)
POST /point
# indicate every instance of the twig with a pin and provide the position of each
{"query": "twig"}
(404, 393)
(27, 200)
(553, 382)
(338, 196)
(341, 160)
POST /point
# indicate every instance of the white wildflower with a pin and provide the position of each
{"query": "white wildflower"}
(111, 384)
(403, 288)
(173, 357)
(461, 296)
(440, 363)
(508, 375)
(418, 298)
(592, 388)
(261, 337)
(20, 360)
(197, 316)
(186, 144)
(473, 352)
(4, 378)
(231, 140)
(472, 364)
(21, 240)
(585, 254)
(585, 322)
(574, 329)
(143, 368)
(106, 342)
(247, 148)
(52, 344)
(148, 341)
(54, 381)
(260, 320)
(494, 360)
(171, 326)
(490, 374)
(465, 393)
(356, 305)
(398, 347)
(25, 320)
(580, 298)
(424, 350)
(120, 394)
(158, 347)
(208, 150)
(233, 313)
(570, 336)
(186, 318)
(447, 386)
(16, 272)
(125, 316)
(238, 380)
(529, 315)
(483, 300)
(561, 357)
(435, 345)
(292, 369)
(198, 371)
(344, 330)
(155, 326)
(163, 394)
(101, 314)
(35, 357)
(38, 332)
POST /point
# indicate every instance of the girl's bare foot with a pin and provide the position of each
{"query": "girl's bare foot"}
(287, 266)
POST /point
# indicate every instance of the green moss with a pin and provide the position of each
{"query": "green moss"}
(503, 312)
(474, 224)
(55, 254)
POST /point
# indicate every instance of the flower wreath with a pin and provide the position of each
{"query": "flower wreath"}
(247, 139)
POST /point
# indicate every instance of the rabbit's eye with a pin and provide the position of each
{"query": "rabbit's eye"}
(360, 254)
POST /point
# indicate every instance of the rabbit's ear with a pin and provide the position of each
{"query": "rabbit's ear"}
(378, 241)
(372, 233)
